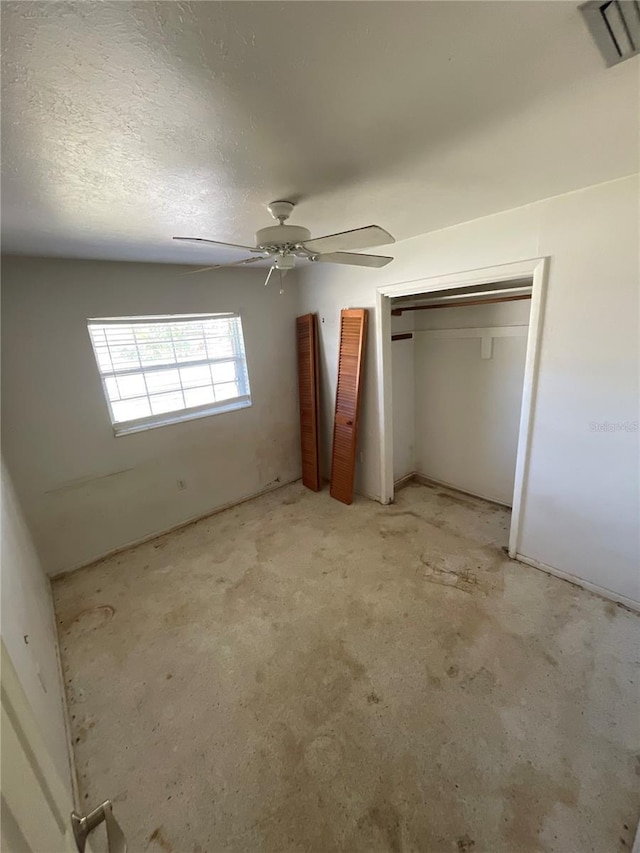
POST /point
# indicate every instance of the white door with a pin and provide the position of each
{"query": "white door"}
(36, 807)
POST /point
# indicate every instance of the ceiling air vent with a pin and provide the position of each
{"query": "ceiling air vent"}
(615, 27)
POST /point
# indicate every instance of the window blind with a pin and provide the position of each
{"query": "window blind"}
(158, 370)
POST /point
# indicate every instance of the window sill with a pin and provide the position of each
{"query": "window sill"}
(128, 427)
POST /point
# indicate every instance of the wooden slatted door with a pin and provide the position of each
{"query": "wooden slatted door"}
(308, 387)
(353, 336)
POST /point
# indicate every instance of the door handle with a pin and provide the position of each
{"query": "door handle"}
(82, 825)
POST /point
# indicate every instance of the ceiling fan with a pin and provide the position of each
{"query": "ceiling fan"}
(285, 243)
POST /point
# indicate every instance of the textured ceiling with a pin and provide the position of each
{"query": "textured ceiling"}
(125, 123)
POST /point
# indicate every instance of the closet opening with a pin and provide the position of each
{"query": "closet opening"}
(459, 360)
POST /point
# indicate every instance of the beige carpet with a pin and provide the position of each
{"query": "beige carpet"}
(297, 675)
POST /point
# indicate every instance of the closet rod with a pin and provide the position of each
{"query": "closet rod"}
(397, 312)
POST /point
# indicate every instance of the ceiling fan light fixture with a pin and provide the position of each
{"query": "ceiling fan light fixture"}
(282, 244)
(284, 262)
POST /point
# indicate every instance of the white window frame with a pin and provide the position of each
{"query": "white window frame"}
(190, 413)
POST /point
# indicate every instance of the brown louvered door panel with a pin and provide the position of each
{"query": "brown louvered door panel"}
(353, 336)
(307, 338)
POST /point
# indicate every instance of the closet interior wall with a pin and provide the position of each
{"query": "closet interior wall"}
(456, 401)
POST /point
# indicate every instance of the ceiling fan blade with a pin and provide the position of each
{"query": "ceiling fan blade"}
(224, 266)
(216, 243)
(353, 259)
(359, 238)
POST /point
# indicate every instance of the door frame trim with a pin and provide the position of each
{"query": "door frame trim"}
(531, 269)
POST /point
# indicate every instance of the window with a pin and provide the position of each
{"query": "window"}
(161, 370)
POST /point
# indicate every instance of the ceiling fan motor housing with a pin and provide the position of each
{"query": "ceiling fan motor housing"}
(281, 236)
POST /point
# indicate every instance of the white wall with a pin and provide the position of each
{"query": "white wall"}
(27, 610)
(581, 505)
(467, 409)
(404, 395)
(85, 492)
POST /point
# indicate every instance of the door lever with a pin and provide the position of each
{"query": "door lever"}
(82, 825)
